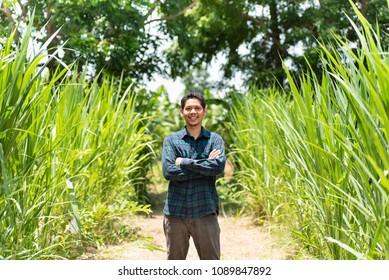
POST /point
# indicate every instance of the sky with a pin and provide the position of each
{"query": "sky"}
(175, 87)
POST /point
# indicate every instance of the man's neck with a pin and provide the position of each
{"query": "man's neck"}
(194, 131)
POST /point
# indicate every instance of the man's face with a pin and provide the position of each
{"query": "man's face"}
(193, 112)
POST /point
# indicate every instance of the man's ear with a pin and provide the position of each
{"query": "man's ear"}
(205, 111)
(181, 112)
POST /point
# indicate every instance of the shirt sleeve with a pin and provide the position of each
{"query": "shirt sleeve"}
(170, 171)
(207, 167)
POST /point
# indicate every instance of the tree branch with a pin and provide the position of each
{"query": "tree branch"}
(7, 12)
(50, 25)
(24, 13)
(152, 9)
(252, 19)
(364, 6)
(170, 17)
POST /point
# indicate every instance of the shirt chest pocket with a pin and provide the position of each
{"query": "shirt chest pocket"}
(194, 150)
(198, 153)
(205, 152)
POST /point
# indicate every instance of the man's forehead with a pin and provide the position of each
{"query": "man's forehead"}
(192, 102)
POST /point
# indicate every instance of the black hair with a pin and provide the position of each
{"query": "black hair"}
(192, 95)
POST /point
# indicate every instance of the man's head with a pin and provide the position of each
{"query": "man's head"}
(193, 109)
(192, 95)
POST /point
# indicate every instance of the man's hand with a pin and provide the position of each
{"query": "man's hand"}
(214, 154)
(178, 161)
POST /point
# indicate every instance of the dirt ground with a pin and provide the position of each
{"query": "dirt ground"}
(240, 240)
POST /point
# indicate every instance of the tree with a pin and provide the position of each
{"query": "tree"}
(257, 35)
(107, 34)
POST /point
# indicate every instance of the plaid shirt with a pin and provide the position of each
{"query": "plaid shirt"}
(192, 191)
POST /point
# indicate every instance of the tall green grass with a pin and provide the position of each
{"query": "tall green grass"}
(71, 156)
(319, 159)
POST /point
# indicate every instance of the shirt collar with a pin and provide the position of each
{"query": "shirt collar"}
(203, 133)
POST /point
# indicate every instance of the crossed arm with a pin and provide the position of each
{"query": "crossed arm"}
(183, 169)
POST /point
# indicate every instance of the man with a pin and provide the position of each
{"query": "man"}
(191, 160)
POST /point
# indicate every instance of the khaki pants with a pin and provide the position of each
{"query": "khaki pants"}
(205, 232)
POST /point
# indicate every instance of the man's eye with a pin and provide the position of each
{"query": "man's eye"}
(197, 109)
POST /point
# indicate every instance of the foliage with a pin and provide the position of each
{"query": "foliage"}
(319, 160)
(108, 35)
(71, 156)
(197, 80)
(164, 116)
(256, 35)
(75, 153)
(103, 224)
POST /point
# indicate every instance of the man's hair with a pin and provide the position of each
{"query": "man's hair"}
(192, 95)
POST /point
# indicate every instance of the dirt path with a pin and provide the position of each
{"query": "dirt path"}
(240, 239)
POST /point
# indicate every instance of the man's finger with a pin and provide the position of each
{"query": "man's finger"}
(214, 154)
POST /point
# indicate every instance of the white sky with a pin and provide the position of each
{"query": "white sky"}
(175, 88)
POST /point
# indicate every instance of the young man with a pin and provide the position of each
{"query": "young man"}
(191, 160)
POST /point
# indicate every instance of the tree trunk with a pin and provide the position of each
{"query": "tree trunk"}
(51, 29)
(364, 6)
(10, 19)
(275, 34)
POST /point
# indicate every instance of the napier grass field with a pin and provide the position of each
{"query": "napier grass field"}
(75, 154)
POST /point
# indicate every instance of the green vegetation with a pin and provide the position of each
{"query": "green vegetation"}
(317, 158)
(76, 155)
(72, 155)
(252, 36)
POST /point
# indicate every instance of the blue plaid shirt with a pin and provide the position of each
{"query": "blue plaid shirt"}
(192, 191)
